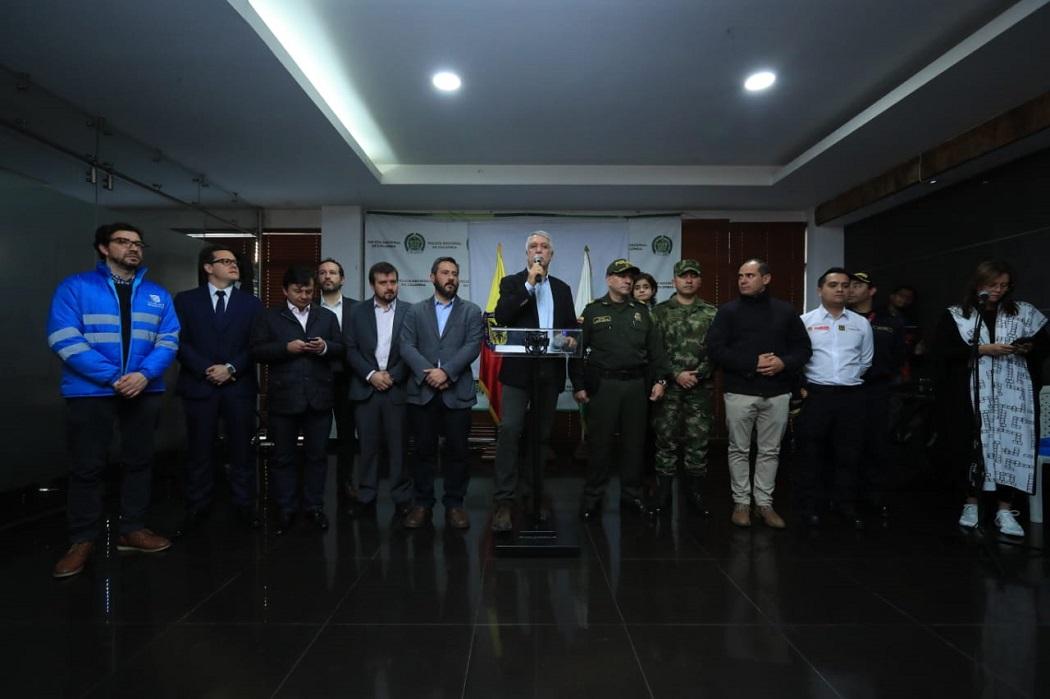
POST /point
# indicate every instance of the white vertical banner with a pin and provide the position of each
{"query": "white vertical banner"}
(412, 244)
(655, 245)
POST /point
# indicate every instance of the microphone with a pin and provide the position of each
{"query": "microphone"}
(982, 296)
(538, 260)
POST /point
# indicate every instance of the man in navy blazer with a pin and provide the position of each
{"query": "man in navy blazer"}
(299, 341)
(217, 379)
(331, 277)
(440, 338)
(377, 389)
(532, 298)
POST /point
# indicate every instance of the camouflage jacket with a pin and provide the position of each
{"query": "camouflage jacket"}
(684, 329)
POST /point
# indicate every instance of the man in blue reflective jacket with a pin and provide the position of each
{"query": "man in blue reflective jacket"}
(116, 334)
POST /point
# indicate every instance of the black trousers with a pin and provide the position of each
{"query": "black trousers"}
(516, 446)
(202, 422)
(830, 441)
(315, 426)
(382, 423)
(90, 423)
(428, 423)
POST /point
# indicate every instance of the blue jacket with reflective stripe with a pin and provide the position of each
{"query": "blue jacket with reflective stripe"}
(83, 329)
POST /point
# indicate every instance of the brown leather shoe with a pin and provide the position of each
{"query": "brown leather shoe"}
(74, 560)
(418, 517)
(143, 541)
(741, 515)
(771, 518)
(501, 518)
(456, 517)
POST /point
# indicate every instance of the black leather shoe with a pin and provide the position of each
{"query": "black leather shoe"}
(357, 509)
(590, 513)
(284, 523)
(695, 499)
(634, 506)
(319, 519)
(248, 516)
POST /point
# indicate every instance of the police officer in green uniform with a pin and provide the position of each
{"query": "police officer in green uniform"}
(623, 366)
(682, 420)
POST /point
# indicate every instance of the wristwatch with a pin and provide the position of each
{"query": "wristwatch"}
(232, 369)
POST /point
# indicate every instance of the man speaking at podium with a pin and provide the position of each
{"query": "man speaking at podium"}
(529, 299)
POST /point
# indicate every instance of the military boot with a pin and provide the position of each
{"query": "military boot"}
(660, 504)
(695, 499)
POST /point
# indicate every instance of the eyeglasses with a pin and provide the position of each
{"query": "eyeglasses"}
(224, 261)
(128, 243)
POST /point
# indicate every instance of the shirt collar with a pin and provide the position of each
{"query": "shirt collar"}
(438, 304)
(390, 306)
(325, 304)
(296, 311)
(212, 289)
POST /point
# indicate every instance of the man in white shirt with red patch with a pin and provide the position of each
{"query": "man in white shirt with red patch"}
(830, 431)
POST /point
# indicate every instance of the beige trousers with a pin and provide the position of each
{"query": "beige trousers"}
(768, 417)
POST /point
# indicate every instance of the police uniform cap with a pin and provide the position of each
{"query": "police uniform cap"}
(686, 265)
(620, 266)
(862, 277)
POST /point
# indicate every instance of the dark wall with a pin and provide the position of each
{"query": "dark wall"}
(934, 243)
(44, 237)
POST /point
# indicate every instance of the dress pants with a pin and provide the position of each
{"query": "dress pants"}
(768, 417)
(382, 422)
(830, 440)
(428, 422)
(516, 446)
(202, 422)
(618, 404)
(90, 430)
(315, 426)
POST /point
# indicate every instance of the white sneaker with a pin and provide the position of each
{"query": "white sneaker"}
(968, 518)
(1004, 519)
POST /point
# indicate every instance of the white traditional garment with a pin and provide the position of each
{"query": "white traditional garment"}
(1007, 400)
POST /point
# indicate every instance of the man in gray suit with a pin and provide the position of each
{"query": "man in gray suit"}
(377, 389)
(440, 338)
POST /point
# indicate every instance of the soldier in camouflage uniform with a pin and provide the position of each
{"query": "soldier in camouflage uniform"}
(624, 367)
(683, 419)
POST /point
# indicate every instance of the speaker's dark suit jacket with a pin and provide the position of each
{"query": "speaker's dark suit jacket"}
(361, 350)
(517, 308)
(298, 382)
(206, 340)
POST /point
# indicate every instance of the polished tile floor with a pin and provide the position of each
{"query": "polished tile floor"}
(690, 608)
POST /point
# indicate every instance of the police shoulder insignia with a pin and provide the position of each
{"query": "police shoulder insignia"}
(637, 317)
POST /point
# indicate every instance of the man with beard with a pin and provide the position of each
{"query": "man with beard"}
(378, 390)
(330, 277)
(440, 338)
(116, 333)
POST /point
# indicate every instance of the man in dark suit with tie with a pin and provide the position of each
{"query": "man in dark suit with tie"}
(217, 379)
(299, 341)
(377, 389)
(440, 338)
(529, 299)
(330, 277)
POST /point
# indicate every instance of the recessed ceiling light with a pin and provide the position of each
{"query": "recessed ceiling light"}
(446, 81)
(760, 81)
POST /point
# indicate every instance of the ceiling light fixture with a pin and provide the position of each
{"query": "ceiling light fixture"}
(762, 80)
(446, 81)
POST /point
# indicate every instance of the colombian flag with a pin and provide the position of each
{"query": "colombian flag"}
(490, 361)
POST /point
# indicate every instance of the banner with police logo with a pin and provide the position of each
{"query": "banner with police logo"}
(412, 244)
(655, 245)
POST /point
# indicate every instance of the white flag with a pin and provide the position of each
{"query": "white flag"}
(583, 289)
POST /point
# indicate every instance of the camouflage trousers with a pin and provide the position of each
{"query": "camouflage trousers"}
(682, 420)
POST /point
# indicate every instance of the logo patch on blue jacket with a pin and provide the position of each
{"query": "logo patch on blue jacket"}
(155, 302)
